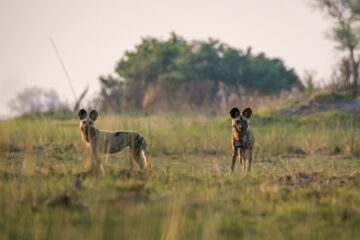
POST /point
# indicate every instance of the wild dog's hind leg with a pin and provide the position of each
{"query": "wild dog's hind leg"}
(235, 153)
(137, 156)
(137, 151)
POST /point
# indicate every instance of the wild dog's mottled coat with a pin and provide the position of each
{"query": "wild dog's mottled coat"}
(98, 141)
(242, 137)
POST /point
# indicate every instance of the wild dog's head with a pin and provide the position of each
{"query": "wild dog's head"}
(87, 122)
(240, 121)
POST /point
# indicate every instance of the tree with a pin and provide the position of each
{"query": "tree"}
(191, 71)
(345, 32)
(35, 99)
(112, 94)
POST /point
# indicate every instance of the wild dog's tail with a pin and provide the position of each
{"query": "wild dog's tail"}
(145, 153)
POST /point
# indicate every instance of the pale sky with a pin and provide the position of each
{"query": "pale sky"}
(92, 35)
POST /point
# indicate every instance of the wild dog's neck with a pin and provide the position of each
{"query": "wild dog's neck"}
(238, 134)
(89, 134)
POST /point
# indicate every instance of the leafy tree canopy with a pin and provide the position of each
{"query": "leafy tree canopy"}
(173, 61)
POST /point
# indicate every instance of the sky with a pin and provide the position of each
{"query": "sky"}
(92, 36)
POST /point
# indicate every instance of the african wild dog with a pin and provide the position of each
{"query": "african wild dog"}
(242, 137)
(98, 141)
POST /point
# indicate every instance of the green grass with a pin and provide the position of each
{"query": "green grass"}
(304, 183)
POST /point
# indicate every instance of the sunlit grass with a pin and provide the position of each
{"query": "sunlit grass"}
(304, 183)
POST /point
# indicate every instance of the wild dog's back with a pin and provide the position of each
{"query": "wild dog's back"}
(113, 142)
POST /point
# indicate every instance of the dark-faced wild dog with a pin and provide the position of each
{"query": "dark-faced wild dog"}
(242, 137)
(98, 141)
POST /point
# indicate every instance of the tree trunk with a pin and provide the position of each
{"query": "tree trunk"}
(354, 67)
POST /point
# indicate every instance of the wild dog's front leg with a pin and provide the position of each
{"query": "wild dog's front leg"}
(94, 163)
(235, 153)
(241, 156)
(131, 165)
(91, 159)
(250, 158)
(245, 156)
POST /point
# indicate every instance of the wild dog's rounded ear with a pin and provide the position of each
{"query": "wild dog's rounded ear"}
(82, 114)
(93, 115)
(247, 112)
(235, 112)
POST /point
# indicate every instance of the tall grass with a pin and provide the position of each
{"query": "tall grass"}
(168, 134)
(304, 182)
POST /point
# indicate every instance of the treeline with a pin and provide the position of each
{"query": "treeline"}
(163, 74)
(175, 74)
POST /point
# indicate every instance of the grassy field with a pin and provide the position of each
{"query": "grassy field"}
(304, 184)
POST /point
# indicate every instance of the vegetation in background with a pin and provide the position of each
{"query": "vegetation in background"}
(309, 81)
(345, 15)
(167, 73)
(35, 99)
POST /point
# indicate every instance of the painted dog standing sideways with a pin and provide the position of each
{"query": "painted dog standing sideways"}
(98, 141)
(242, 137)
